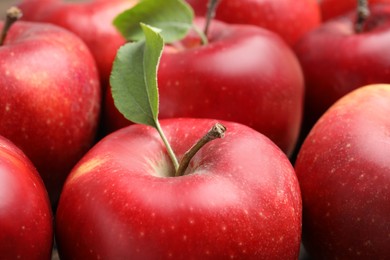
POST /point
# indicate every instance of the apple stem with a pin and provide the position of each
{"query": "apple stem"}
(217, 131)
(211, 9)
(362, 13)
(13, 14)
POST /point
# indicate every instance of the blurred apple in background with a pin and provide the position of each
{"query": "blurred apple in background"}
(26, 221)
(244, 74)
(50, 98)
(337, 59)
(343, 169)
(90, 20)
(291, 19)
(333, 8)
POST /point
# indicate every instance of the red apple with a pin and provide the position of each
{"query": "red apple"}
(344, 172)
(238, 199)
(25, 212)
(50, 98)
(291, 19)
(336, 60)
(90, 20)
(333, 8)
(244, 74)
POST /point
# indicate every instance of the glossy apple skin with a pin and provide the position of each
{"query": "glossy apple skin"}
(90, 20)
(245, 74)
(291, 19)
(333, 8)
(336, 60)
(50, 98)
(25, 214)
(343, 169)
(239, 198)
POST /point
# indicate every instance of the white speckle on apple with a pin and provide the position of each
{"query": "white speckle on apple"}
(368, 243)
(184, 238)
(7, 72)
(223, 228)
(173, 227)
(141, 234)
(8, 108)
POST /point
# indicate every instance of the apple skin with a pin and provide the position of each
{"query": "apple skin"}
(333, 8)
(26, 222)
(90, 20)
(336, 60)
(245, 74)
(51, 98)
(291, 19)
(343, 169)
(239, 198)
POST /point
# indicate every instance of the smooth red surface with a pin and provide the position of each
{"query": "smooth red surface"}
(25, 212)
(90, 20)
(50, 98)
(336, 60)
(333, 8)
(239, 199)
(291, 19)
(343, 169)
(245, 74)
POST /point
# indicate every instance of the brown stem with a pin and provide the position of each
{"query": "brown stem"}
(211, 8)
(13, 14)
(362, 13)
(217, 131)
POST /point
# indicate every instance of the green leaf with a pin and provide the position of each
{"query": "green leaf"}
(134, 78)
(173, 17)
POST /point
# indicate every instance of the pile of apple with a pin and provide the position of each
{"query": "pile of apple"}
(166, 129)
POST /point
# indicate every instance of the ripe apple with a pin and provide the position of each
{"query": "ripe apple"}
(344, 172)
(291, 19)
(50, 98)
(333, 8)
(238, 199)
(90, 20)
(25, 212)
(336, 59)
(244, 74)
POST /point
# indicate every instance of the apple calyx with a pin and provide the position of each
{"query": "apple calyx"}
(12, 15)
(362, 14)
(217, 131)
